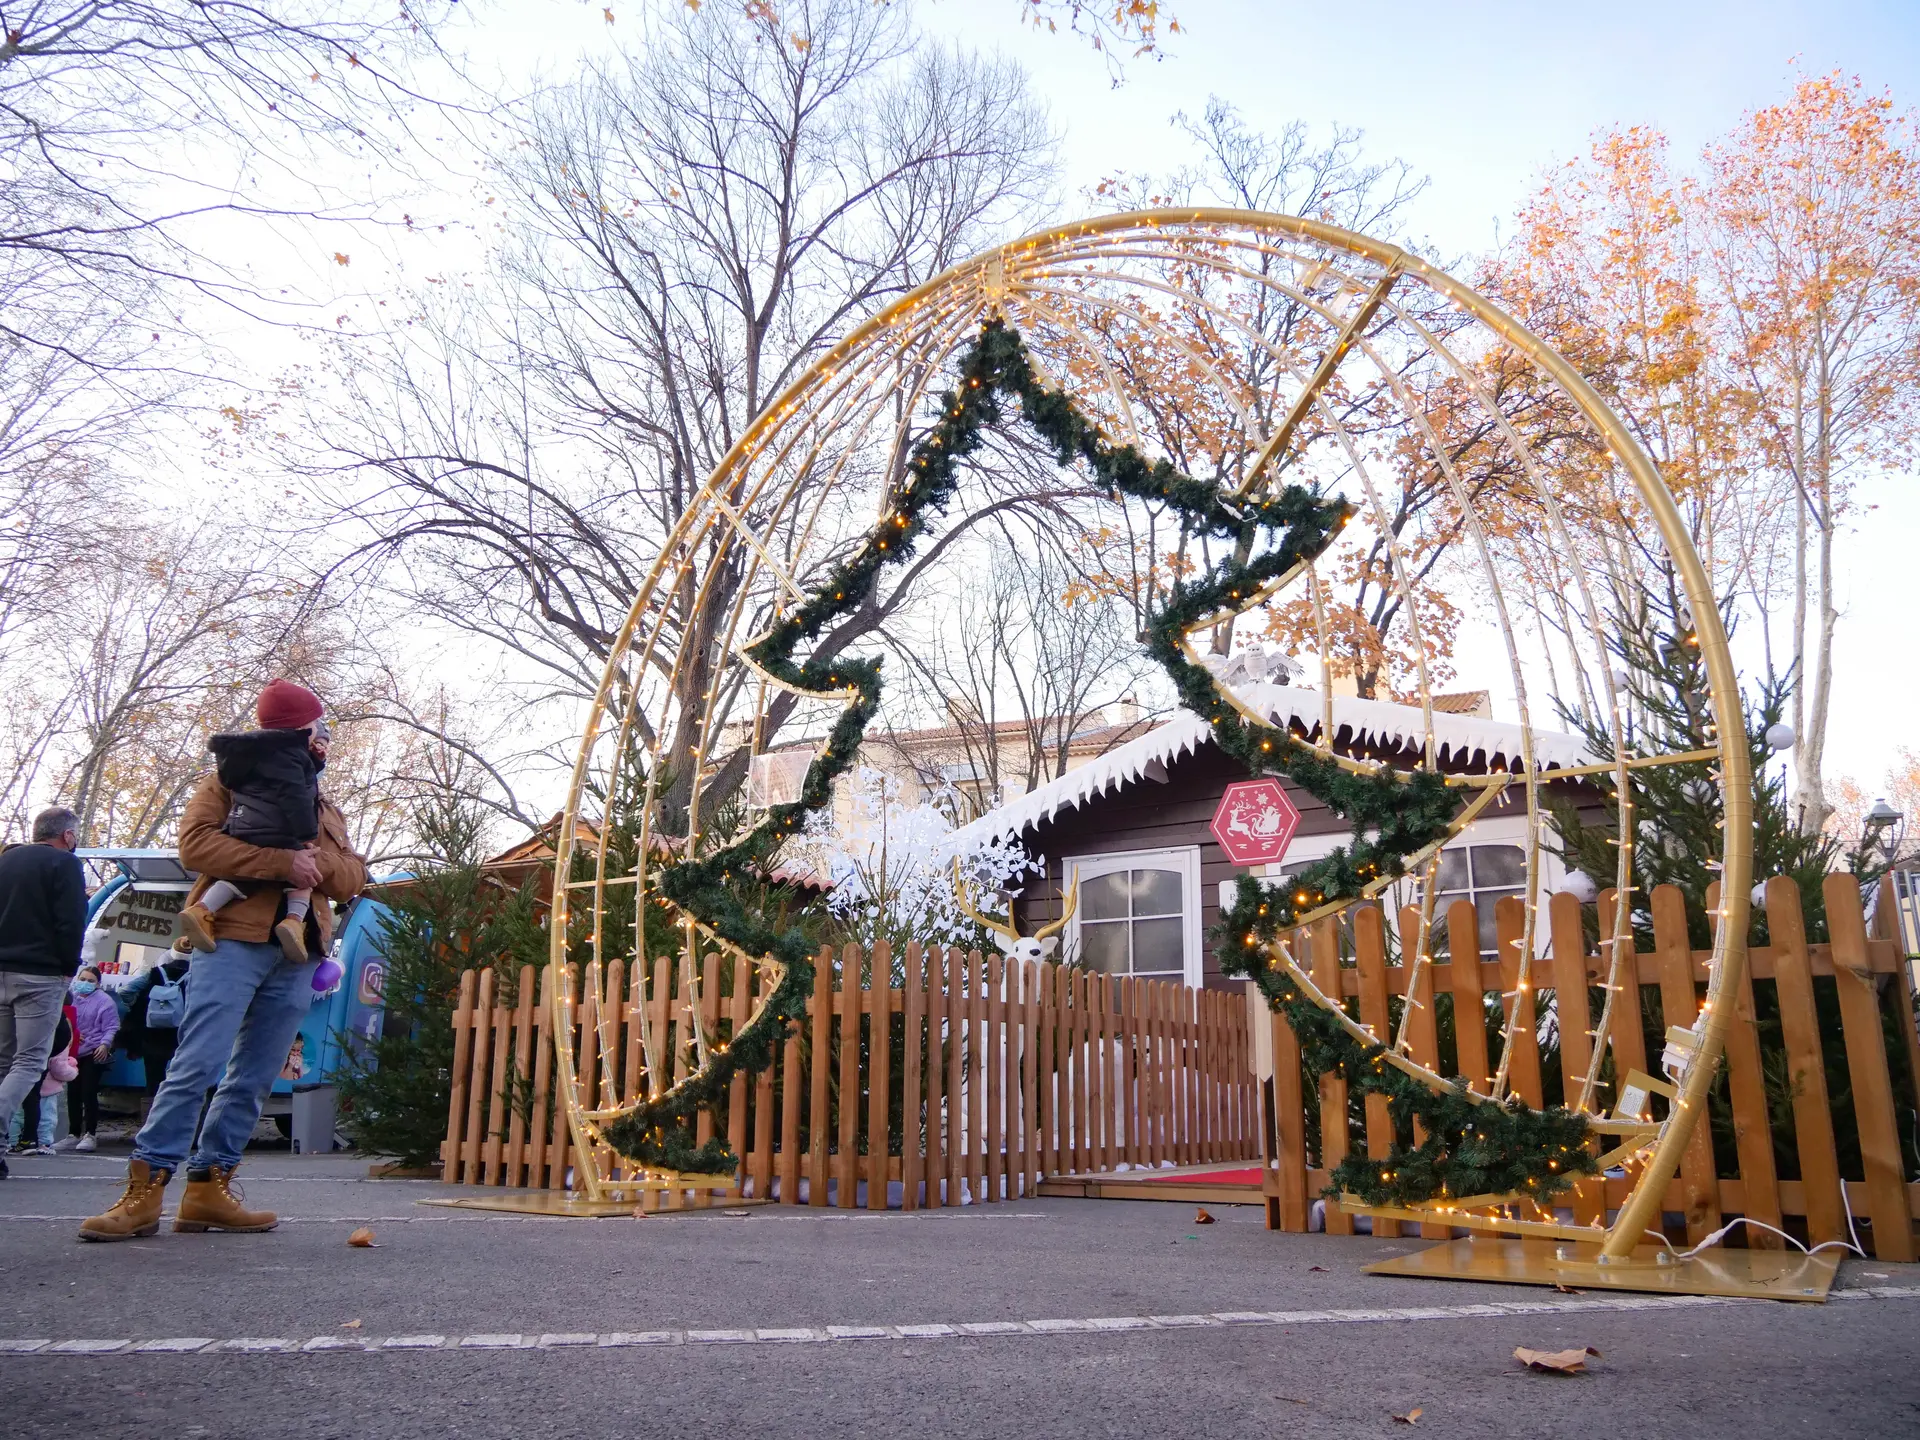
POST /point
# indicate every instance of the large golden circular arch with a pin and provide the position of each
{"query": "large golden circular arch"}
(749, 512)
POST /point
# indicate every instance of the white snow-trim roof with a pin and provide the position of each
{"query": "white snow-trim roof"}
(1365, 722)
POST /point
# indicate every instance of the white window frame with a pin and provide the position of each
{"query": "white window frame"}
(1183, 858)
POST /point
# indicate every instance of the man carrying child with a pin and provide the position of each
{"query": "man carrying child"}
(248, 993)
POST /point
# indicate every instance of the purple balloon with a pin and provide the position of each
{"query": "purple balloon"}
(327, 976)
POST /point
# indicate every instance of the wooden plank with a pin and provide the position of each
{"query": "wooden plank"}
(560, 1142)
(912, 1076)
(993, 1090)
(1469, 999)
(1290, 1128)
(1185, 1109)
(536, 1175)
(1100, 1070)
(1030, 976)
(880, 998)
(819, 1110)
(1523, 1070)
(764, 1129)
(522, 1041)
(1153, 1016)
(1370, 961)
(659, 1003)
(739, 1006)
(1872, 1081)
(849, 1005)
(1080, 1047)
(957, 1119)
(793, 1084)
(475, 1135)
(1085, 1032)
(1423, 1032)
(934, 1167)
(1334, 1138)
(1806, 1069)
(499, 1049)
(1046, 1063)
(1573, 1011)
(451, 1147)
(1752, 1131)
(1627, 1036)
(633, 1072)
(977, 1051)
(1679, 1005)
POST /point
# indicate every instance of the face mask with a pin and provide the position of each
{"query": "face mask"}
(84, 988)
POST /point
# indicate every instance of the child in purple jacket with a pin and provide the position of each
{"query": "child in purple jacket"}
(98, 1020)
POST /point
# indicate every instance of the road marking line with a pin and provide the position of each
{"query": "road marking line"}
(790, 1335)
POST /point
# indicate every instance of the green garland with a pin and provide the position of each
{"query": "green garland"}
(1511, 1148)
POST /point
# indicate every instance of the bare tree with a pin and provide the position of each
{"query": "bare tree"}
(686, 228)
(1018, 672)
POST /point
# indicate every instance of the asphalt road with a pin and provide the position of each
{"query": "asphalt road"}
(1041, 1318)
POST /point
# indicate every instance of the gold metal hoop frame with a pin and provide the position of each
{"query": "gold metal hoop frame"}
(803, 482)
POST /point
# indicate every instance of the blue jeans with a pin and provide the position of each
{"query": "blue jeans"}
(244, 1006)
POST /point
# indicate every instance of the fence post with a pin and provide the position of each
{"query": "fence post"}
(912, 1077)
(1867, 1066)
(1680, 1006)
(1370, 959)
(1335, 1138)
(879, 1071)
(1747, 1092)
(1806, 1066)
(542, 1078)
(470, 1145)
(457, 1103)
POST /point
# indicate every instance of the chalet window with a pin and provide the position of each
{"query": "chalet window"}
(1139, 913)
(1484, 874)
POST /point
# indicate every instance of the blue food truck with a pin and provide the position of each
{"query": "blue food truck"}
(132, 918)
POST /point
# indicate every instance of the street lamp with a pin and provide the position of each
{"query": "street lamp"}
(1883, 829)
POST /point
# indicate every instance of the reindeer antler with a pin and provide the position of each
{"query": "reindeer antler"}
(1046, 932)
(999, 927)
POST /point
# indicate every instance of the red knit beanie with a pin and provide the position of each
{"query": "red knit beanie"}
(284, 705)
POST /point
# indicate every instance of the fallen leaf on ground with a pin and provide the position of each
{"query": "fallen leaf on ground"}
(349, 1324)
(1566, 1289)
(1321, 1268)
(1555, 1362)
(1203, 1218)
(361, 1239)
(1411, 1416)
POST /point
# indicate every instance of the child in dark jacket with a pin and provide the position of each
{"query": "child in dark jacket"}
(274, 779)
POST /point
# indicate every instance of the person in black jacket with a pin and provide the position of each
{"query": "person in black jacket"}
(43, 914)
(153, 1045)
(273, 776)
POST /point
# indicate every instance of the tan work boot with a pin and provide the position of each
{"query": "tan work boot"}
(196, 926)
(137, 1211)
(292, 935)
(209, 1204)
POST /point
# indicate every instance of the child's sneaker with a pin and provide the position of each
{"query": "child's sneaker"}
(86, 1145)
(40, 1150)
(293, 941)
(196, 926)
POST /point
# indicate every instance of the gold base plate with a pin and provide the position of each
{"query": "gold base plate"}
(567, 1205)
(559, 1203)
(1743, 1274)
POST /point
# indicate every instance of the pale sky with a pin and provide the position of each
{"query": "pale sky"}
(1481, 98)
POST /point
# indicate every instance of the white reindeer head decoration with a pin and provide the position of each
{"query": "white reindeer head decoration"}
(1038, 946)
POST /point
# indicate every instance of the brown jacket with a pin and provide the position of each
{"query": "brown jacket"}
(218, 856)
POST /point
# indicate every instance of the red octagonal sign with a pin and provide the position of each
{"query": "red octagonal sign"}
(1255, 822)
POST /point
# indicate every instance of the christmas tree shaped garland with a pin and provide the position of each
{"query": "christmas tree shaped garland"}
(1469, 1142)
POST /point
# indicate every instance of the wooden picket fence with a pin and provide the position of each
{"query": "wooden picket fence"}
(1781, 1083)
(994, 1074)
